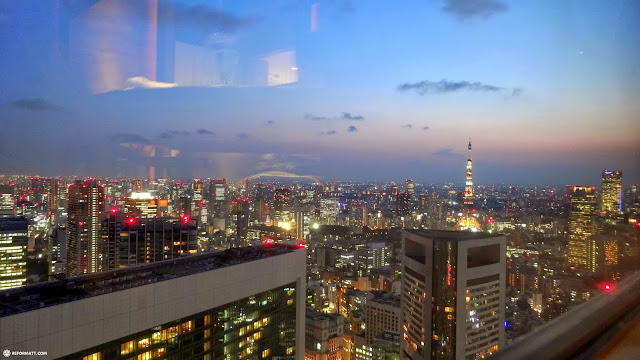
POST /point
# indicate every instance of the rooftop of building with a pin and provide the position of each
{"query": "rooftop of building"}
(314, 314)
(384, 297)
(451, 235)
(33, 297)
(389, 336)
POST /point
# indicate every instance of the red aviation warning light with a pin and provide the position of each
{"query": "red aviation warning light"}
(606, 286)
(185, 219)
(131, 221)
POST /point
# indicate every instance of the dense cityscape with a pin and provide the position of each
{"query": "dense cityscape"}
(319, 180)
(561, 245)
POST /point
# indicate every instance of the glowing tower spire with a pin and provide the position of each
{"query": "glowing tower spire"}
(468, 188)
(468, 220)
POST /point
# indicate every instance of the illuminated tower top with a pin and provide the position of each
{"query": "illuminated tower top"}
(468, 188)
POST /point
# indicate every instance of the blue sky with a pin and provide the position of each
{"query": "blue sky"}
(548, 90)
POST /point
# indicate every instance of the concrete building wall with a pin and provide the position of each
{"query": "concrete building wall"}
(67, 328)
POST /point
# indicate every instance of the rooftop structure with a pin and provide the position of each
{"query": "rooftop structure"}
(32, 297)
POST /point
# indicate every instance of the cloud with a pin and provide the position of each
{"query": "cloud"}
(348, 116)
(143, 82)
(425, 128)
(128, 138)
(330, 132)
(445, 86)
(270, 122)
(242, 135)
(173, 133)
(406, 126)
(205, 132)
(205, 18)
(352, 129)
(445, 153)
(35, 104)
(315, 118)
(468, 9)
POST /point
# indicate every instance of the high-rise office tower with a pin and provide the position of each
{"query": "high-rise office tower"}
(217, 199)
(372, 255)
(454, 286)
(582, 223)
(242, 303)
(403, 204)
(282, 204)
(611, 195)
(7, 206)
(128, 240)
(13, 252)
(84, 222)
(410, 187)
(240, 216)
(299, 220)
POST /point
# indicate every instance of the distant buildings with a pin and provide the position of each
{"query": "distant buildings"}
(454, 302)
(383, 313)
(324, 336)
(84, 222)
(582, 223)
(13, 252)
(373, 255)
(130, 241)
(282, 204)
(235, 304)
(611, 199)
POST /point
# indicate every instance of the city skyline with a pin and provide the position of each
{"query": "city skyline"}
(372, 96)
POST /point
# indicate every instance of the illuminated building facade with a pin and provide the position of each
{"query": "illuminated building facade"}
(243, 303)
(7, 206)
(372, 255)
(454, 302)
(468, 220)
(84, 222)
(282, 204)
(324, 336)
(130, 241)
(13, 252)
(383, 313)
(582, 223)
(403, 204)
(217, 199)
(410, 187)
(144, 205)
(611, 195)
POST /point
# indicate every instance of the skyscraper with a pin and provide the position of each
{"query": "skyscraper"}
(454, 286)
(282, 204)
(85, 208)
(403, 204)
(611, 193)
(243, 303)
(410, 186)
(13, 252)
(217, 200)
(582, 213)
(128, 240)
